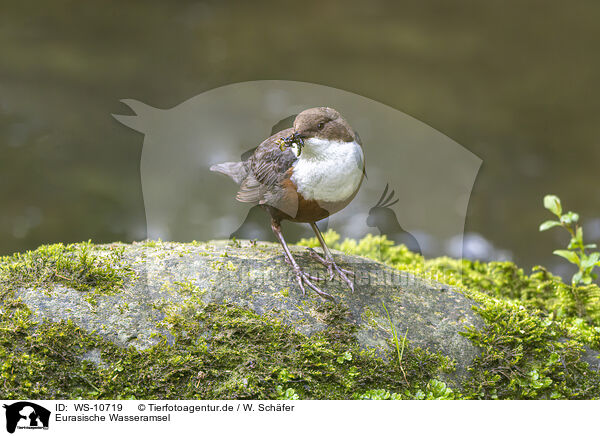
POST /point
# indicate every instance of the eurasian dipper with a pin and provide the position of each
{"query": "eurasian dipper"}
(303, 174)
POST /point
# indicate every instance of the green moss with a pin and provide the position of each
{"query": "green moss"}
(78, 266)
(434, 390)
(531, 342)
(525, 355)
(218, 265)
(211, 351)
(534, 334)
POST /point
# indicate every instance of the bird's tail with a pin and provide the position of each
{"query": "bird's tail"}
(236, 170)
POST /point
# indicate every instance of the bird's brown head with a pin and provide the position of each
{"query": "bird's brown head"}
(323, 123)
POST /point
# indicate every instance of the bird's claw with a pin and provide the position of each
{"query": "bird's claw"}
(343, 275)
(310, 277)
(303, 278)
(333, 268)
(317, 256)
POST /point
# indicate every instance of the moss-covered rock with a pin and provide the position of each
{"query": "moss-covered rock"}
(225, 319)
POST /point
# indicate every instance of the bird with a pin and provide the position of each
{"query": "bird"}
(304, 174)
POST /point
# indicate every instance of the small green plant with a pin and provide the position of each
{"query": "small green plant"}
(576, 250)
(347, 356)
(583, 296)
(379, 394)
(435, 390)
(287, 394)
(399, 350)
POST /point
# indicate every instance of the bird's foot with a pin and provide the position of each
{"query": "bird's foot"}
(310, 277)
(305, 279)
(333, 268)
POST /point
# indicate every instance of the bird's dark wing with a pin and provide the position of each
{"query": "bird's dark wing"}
(267, 168)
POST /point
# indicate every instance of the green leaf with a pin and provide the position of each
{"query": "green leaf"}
(576, 278)
(552, 203)
(573, 244)
(549, 224)
(569, 218)
(590, 246)
(590, 260)
(569, 255)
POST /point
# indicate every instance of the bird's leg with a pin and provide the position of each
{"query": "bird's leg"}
(328, 261)
(302, 277)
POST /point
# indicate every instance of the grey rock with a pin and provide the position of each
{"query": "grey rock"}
(256, 276)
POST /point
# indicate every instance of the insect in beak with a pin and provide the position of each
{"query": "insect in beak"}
(294, 140)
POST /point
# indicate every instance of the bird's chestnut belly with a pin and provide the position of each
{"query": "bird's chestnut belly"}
(292, 206)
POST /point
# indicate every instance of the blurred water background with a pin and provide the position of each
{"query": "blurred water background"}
(515, 82)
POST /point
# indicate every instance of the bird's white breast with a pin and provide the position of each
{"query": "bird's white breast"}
(328, 170)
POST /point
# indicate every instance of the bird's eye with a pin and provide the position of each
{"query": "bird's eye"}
(320, 125)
